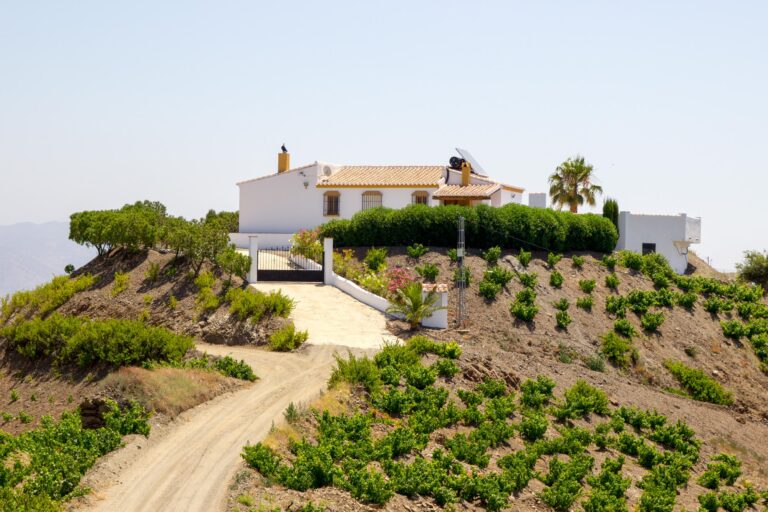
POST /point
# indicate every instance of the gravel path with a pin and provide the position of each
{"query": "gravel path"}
(188, 464)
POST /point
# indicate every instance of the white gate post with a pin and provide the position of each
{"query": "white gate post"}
(328, 260)
(253, 251)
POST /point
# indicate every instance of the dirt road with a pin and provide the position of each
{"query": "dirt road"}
(188, 464)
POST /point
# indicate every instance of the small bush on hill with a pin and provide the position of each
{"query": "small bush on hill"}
(580, 400)
(533, 426)
(687, 300)
(287, 338)
(523, 307)
(717, 305)
(553, 259)
(625, 328)
(416, 251)
(524, 257)
(556, 279)
(587, 285)
(498, 275)
(120, 283)
(699, 385)
(723, 468)
(754, 268)
(561, 305)
(537, 393)
(584, 303)
(609, 261)
(733, 329)
(375, 259)
(612, 281)
(489, 289)
(618, 350)
(563, 319)
(616, 305)
(492, 255)
(652, 321)
(356, 370)
(640, 301)
(428, 271)
(578, 262)
(453, 255)
(528, 279)
(595, 362)
(631, 260)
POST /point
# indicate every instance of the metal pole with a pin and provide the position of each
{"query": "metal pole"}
(461, 313)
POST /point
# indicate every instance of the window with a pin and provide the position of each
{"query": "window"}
(420, 197)
(371, 200)
(649, 248)
(331, 202)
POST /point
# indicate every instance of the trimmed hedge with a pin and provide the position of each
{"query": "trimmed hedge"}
(512, 225)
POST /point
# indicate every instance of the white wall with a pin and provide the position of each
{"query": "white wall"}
(663, 230)
(269, 240)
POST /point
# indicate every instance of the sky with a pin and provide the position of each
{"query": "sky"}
(104, 103)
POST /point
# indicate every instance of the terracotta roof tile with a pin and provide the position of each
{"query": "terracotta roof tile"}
(385, 176)
(470, 191)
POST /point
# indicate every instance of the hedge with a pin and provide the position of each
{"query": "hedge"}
(509, 226)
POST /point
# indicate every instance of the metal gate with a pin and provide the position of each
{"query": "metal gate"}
(279, 264)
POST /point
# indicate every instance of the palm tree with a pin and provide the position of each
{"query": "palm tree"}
(413, 304)
(571, 184)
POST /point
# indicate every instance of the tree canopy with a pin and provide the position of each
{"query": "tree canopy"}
(571, 184)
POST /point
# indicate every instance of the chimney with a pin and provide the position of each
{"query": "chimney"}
(466, 169)
(283, 161)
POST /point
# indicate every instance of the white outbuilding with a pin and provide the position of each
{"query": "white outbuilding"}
(669, 235)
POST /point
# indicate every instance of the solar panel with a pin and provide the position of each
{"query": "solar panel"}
(476, 167)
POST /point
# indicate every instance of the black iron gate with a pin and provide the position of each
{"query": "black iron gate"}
(279, 264)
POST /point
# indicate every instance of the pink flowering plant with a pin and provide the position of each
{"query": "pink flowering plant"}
(307, 243)
(398, 278)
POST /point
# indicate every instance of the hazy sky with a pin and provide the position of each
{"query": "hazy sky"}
(103, 103)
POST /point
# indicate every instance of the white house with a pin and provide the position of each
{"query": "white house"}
(670, 235)
(280, 204)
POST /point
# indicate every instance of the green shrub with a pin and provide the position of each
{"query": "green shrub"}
(85, 342)
(523, 307)
(233, 368)
(492, 255)
(416, 251)
(699, 385)
(120, 283)
(428, 271)
(612, 281)
(463, 273)
(489, 289)
(537, 393)
(262, 459)
(453, 255)
(368, 486)
(153, 272)
(616, 305)
(611, 212)
(553, 259)
(717, 305)
(754, 268)
(608, 488)
(533, 426)
(563, 319)
(498, 275)
(578, 262)
(687, 300)
(580, 400)
(436, 226)
(556, 279)
(595, 362)
(609, 261)
(356, 370)
(524, 257)
(419, 376)
(623, 327)
(256, 305)
(287, 338)
(375, 259)
(564, 480)
(660, 281)
(640, 301)
(528, 279)
(584, 303)
(665, 298)
(631, 260)
(45, 298)
(723, 467)
(652, 321)
(492, 388)
(445, 368)
(587, 285)
(733, 329)
(618, 350)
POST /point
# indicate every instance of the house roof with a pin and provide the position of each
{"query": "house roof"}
(384, 176)
(468, 192)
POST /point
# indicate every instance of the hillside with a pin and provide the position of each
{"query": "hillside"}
(31, 254)
(488, 453)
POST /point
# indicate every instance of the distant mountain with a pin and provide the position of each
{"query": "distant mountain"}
(31, 254)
